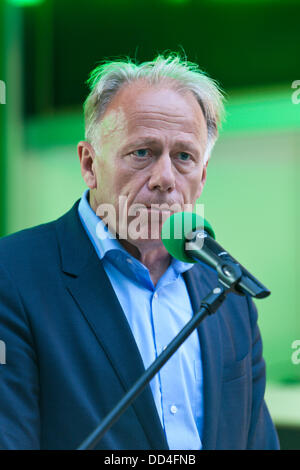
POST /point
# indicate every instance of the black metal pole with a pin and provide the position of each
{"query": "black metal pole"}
(208, 306)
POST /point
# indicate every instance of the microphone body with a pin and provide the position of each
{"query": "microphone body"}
(204, 248)
(198, 244)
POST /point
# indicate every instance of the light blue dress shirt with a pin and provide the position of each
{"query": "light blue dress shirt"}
(155, 315)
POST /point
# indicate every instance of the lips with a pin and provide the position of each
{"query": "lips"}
(156, 209)
(154, 206)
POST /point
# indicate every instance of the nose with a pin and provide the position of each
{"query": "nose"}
(162, 175)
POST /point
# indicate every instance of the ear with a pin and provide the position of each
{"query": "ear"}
(203, 179)
(86, 155)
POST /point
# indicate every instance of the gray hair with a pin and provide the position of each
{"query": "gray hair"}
(108, 77)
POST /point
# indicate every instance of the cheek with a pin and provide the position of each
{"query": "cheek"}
(105, 181)
(191, 187)
(128, 181)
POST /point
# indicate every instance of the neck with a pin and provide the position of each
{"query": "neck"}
(153, 255)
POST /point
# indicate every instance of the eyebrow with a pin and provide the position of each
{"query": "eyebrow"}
(152, 141)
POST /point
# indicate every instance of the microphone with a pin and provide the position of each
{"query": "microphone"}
(190, 238)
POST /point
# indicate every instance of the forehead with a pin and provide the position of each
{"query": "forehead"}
(138, 107)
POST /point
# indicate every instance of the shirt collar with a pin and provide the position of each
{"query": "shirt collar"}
(104, 241)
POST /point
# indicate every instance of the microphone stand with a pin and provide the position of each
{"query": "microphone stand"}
(230, 276)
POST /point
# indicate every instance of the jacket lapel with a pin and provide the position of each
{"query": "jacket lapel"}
(86, 281)
(210, 338)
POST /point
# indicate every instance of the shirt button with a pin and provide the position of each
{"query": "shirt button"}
(155, 295)
(129, 260)
(173, 409)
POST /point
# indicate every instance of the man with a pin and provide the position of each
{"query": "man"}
(85, 309)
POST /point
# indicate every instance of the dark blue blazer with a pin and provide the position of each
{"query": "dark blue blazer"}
(71, 356)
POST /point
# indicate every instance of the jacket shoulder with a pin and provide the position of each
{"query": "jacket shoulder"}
(33, 245)
(20, 242)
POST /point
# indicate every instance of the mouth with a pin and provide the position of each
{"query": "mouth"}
(155, 207)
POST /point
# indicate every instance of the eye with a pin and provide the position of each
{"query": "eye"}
(183, 156)
(141, 153)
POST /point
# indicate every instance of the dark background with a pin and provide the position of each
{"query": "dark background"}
(244, 44)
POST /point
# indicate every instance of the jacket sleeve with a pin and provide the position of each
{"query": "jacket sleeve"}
(262, 434)
(19, 384)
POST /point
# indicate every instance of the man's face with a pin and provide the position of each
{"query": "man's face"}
(150, 150)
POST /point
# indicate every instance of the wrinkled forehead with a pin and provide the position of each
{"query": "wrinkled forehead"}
(140, 107)
(114, 120)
